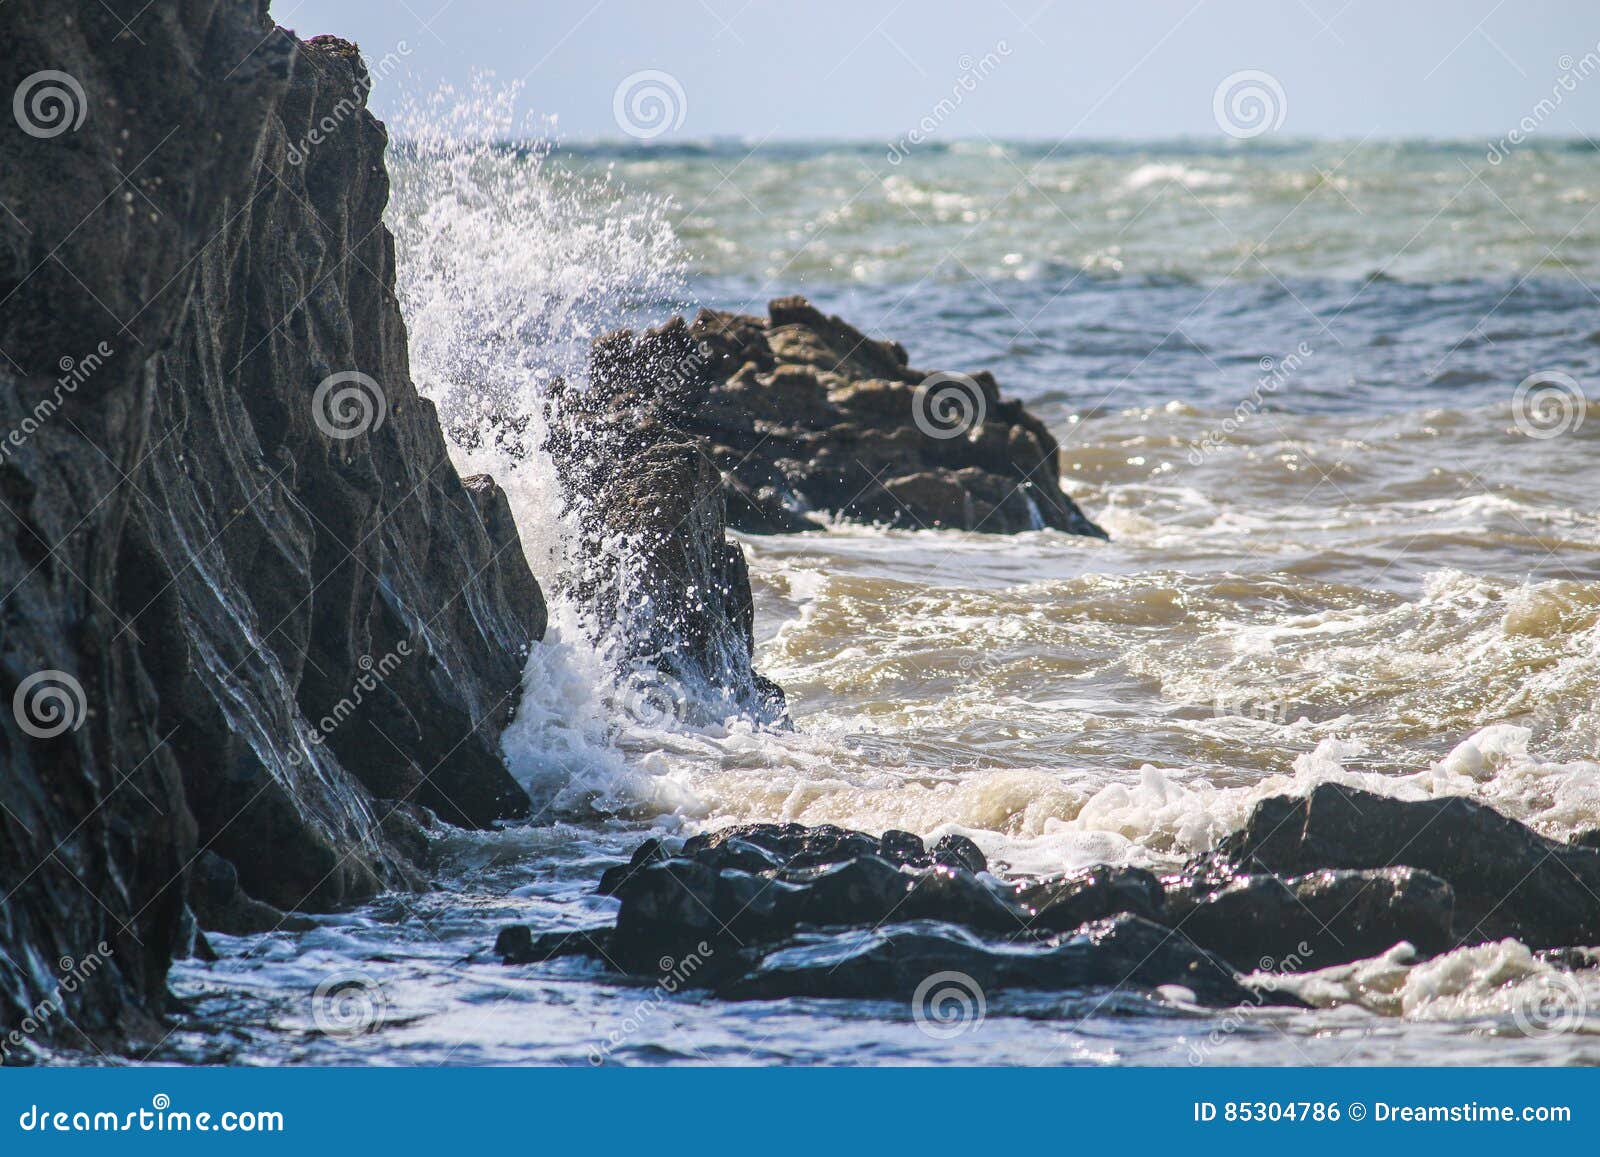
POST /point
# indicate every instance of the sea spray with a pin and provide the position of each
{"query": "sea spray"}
(508, 267)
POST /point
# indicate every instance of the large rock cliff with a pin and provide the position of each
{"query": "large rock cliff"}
(249, 613)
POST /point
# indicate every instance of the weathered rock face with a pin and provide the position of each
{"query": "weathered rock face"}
(282, 617)
(805, 413)
(664, 581)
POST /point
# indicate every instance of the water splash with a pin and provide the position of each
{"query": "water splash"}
(508, 267)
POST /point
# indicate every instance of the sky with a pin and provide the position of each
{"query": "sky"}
(1046, 69)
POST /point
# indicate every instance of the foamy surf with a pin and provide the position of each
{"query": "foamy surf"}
(1367, 581)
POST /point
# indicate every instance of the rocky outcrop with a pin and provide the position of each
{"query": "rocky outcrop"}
(669, 591)
(1342, 875)
(284, 631)
(804, 413)
(772, 911)
(1507, 880)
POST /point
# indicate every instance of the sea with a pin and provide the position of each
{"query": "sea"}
(1331, 402)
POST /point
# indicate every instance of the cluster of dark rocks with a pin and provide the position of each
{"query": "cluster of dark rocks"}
(1308, 883)
(803, 414)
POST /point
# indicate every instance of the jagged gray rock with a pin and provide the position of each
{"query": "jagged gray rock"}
(273, 626)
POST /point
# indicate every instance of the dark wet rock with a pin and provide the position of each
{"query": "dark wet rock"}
(798, 846)
(220, 905)
(735, 891)
(406, 827)
(1508, 880)
(895, 963)
(955, 851)
(1313, 921)
(1066, 902)
(757, 895)
(613, 878)
(1586, 839)
(803, 413)
(517, 944)
(667, 586)
(272, 627)
(1307, 884)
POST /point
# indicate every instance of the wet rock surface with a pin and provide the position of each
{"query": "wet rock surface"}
(779, 910)
(804, 413)
(282, 630)
(1507, 879)
(669, 590)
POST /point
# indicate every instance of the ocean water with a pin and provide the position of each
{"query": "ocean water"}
(1350, 541)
